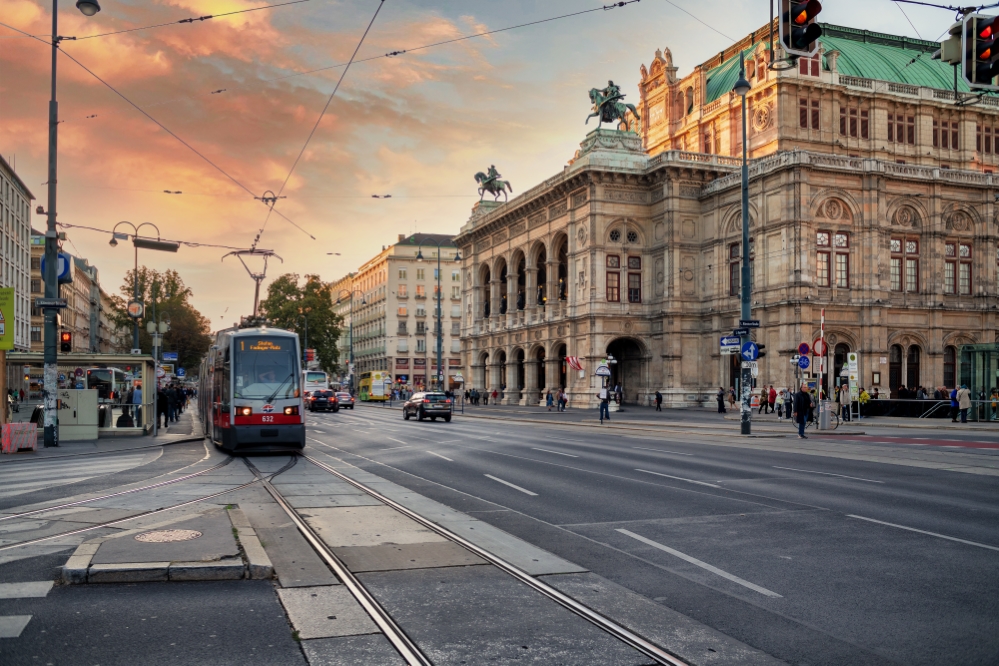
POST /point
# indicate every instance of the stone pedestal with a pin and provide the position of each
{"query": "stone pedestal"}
(611, 148)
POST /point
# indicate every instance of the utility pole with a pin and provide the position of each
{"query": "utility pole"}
(742, 89)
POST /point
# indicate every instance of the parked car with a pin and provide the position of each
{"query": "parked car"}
(422, 405)
(345, 399)
(324, 401)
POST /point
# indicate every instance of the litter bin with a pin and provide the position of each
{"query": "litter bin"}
(824, 412)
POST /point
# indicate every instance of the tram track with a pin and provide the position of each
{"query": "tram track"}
(399, 639)
(42, 459)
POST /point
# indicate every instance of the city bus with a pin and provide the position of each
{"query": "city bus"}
(371, 387)
(110, 383)
(314, 380)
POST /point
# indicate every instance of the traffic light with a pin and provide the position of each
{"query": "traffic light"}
(799, 33)
(981, 51)
(65, 341)
(762, 350)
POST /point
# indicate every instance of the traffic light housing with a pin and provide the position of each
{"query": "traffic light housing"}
(66, 341)
(799, 33)
(762, 349)
(980, 64)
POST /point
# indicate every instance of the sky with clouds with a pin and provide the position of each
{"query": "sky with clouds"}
(416, 125)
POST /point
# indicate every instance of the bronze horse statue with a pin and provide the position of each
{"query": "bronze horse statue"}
(493, 186)
(607, 108)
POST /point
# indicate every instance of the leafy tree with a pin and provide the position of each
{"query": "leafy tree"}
(166, 298)
(287, 305)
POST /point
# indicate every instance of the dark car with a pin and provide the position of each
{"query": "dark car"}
(422, 405)
(323, 401)
(345, 399)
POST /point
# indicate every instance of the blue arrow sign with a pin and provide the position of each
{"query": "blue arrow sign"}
(803, 362)
(750, 351)
(181, 372)
(729, 341)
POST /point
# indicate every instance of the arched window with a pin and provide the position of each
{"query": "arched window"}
(894, 369)
(912, 368)
(690, 100)
(950, 367)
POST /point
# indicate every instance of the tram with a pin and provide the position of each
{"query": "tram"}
(250, 391)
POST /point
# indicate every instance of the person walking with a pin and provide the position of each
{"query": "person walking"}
(772, 398)
(137, 404)
(764, 396)
(720, 397)
(964, 402)
(659, 401)
(779, 404)
(162, 406)
(731, 397)
(802, 405)
(549, 400)
(604, 397)
(845, 401)
(953, 405)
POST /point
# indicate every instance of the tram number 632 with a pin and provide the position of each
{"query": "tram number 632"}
(267, 419)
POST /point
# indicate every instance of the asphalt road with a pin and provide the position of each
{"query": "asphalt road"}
(812, 559)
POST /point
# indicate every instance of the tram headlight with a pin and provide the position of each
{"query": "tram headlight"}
(244, 411)
(291, 411)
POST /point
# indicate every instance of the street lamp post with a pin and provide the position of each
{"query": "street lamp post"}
(135, 308)
(439, 297)
(89, 8)
(339, 297)
(741, 88)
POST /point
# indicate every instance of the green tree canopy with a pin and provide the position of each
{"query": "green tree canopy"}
(287, 305)
(167, 298)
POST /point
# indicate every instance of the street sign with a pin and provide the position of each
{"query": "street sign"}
(750, 351)
(729, 344)
(741, 331)
(803, 349)
(803, 362)
(62, 377)
(853, 362)
(167, 368)
(819, 347)
(78, 372)
(181, 372)
(749, 323)
(62, 268)
(603, 370)
(51, 303)
(160, 373)
(755, 368)
(169, 356)
(135, 309)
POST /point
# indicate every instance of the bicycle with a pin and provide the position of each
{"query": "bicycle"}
(834, 420)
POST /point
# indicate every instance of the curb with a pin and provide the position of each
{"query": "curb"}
(79, 569)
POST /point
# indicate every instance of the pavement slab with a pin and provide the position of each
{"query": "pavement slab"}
(327, 501)
(296, 564)
(365, 650)
(366, 526)
(215, 543)
(408, 556)
(478, 615)
(324, 612)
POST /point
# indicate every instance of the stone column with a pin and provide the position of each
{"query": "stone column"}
(478, 377)
(494, 297)
(511, 298)
(512, 394)
(531, 393)
(531, 294)
(551, 373)
(494, 377)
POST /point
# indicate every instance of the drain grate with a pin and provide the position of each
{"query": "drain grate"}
(166, 536)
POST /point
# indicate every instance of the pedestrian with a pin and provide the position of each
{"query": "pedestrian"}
(964, 402)
(659, 401)
(22, 396)
(994, 397)
(495, 395)
(137, 404)
(802, 406)
(162, 406)
(844, 401)
(562, 399)
(764, 396)
(772, 398)
(604, 397)
(779, 404)
(549, 400)
(953, 405)
(720, 397)
(731, 397)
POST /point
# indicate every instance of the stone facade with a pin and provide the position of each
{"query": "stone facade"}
(15, 250)
(634, 249)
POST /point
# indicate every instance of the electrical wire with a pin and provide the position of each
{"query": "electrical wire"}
(165, 240)
(162, 126)
(381, 3)
(907, 18)
(393, 54)
(187, 20)
(707, 25)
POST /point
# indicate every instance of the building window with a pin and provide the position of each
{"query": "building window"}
(950, 367)
(808, 66)
(421, 311)
(402, 310)
(455, 292)
(36, 263)
(613, 278)
(904, 264)
(854, 122)
(841, 244)
(945, 134)
(455, 276)
(901, 128)
(421, 291)
(419, 274)
(403, 291)
(615, 236)
(402, 273)
(733, 269)
(421, 346)
(634, 287)
(36, 333)
(984, 140)
(36, 286)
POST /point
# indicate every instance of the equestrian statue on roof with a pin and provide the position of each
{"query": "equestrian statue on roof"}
(607, 106)
(490, 182)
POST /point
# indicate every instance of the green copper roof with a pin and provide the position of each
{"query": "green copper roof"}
(866, 55)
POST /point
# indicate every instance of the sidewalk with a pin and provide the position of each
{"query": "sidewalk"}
(700, 417)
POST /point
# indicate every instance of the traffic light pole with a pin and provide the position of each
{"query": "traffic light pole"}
(747, 373)
(51, 372)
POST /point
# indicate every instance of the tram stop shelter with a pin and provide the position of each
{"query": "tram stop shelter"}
(88, 399)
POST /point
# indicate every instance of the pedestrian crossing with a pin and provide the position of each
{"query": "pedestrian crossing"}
(21, 478)
(11, 626)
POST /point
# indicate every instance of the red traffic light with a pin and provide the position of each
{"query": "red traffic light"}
(65, 341)
(805, 11)
(798, 30)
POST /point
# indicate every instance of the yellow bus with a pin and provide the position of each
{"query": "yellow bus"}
(371, 387)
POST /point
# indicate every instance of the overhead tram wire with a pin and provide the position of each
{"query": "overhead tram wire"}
(394, 54)
(160, 125)
(706, 24)
(273, 200)
(166, 240)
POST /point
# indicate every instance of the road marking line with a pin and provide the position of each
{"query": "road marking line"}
(568, 455)
(703, 565)
(397, 440)
(913, 529)
(507, 483)
(842, 476)
(662, 451)
(679, 478)
(29, 590)
(395, 448)
(11, 626)
(450, 441)
(439, 456)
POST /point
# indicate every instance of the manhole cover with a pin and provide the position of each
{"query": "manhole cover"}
(166, 536)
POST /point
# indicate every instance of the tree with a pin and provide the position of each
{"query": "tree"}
(166, 298)
(287, 305)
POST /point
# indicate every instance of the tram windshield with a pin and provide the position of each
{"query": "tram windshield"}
(266, 368)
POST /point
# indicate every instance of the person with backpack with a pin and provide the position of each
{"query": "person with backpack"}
(953, 405)
(659, 401)
(964, 402)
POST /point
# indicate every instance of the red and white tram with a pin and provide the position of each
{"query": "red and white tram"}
(251, 394)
